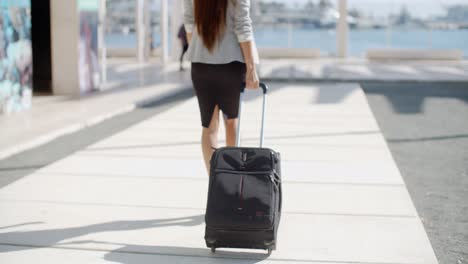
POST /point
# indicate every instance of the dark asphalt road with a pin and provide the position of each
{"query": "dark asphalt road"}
(426, 127)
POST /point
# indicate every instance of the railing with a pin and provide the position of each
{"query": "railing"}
(426, 25)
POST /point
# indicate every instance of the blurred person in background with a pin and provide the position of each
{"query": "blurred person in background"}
(182, 35)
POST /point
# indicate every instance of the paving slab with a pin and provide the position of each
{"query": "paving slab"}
(347, 172)
(338, 198)
(79, 256)
(140, 195)
(357, 69)
(129, 85)
(166, 231)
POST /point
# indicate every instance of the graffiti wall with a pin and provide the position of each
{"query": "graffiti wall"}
(15, 56)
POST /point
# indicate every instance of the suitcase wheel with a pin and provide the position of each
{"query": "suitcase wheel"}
(213, 249)
(270, 250)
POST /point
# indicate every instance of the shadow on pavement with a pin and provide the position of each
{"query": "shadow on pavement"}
(22, 164)
(409, 98)
(52, 237)
(422, 139)
(23, 224)
(127, 253)
(204, 254)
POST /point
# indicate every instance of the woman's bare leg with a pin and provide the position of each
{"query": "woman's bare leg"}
(210, 138)
(231, 131)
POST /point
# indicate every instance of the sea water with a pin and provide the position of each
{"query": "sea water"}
(360, 40)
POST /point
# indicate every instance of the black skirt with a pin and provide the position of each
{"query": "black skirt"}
(218, 84)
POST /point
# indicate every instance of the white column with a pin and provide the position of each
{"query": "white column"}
(164, 31)
(102, 43)
(148, 29)
(176, 22)
(342, 30)
(140, 30)
(64, 41)
(255, 8)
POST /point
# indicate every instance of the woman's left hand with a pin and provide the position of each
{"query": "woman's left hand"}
(251, 79)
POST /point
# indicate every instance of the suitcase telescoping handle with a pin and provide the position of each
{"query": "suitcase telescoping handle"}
(241, 101)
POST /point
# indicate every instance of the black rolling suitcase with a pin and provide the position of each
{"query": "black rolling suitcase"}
(244, 195)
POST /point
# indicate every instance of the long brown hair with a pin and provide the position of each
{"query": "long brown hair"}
(210, 19)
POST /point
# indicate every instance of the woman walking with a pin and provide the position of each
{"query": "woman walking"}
(182, 35)
(223, 56)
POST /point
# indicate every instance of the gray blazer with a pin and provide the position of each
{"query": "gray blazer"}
(238, 29)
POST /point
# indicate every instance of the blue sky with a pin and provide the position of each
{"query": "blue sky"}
(420, 8)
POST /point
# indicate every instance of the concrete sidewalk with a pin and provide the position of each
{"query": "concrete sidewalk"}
(130, 84)
(139, 196)
(358, 70)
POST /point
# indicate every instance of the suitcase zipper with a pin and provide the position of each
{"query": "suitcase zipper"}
(241, 192)
(242, 228)
(244, 172)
